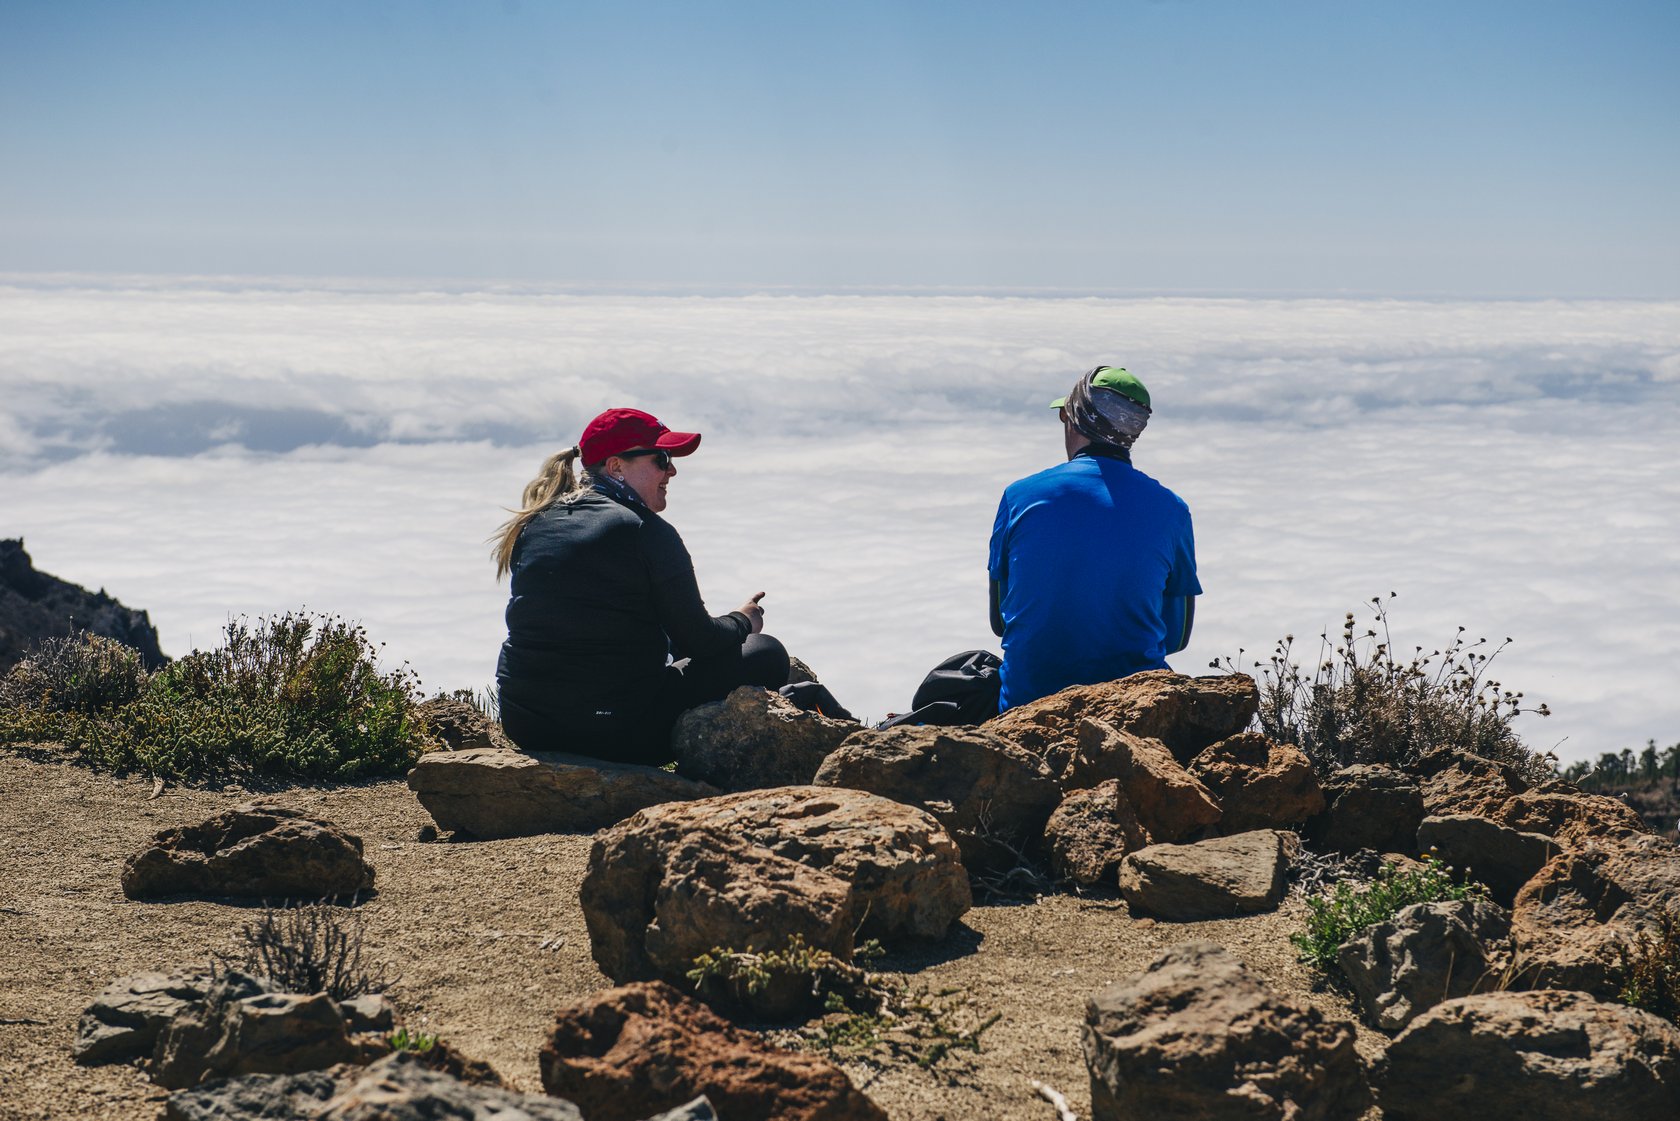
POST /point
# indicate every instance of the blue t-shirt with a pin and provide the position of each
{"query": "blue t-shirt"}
(1084, 555)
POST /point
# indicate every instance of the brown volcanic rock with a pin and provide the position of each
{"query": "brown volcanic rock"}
(1427, 953)
(1569, 921)
(1197, 1036)
(1170, 802)
(1539, 1056)
(124, 1020)
(1497, 855)
(1457, 782)
(631, 1051)
(1090, 834)
(1569, 816)
(255, 851)
(36, 606)
(1213, 879)
(754, 738)
(1259, 784)
(901, 871)
(1368, 807)
(493, 792)
(1185, 713)
(457, 725)
(991, 796)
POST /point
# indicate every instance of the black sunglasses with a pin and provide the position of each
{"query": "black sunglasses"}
(661, 457)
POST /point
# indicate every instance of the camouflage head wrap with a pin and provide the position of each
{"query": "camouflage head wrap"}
(1105, 416)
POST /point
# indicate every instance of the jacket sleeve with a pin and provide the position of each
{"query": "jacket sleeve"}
(677, 602)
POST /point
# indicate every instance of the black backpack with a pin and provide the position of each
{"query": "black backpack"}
(963, 689)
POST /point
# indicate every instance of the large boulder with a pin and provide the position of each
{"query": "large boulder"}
(628, 1052)
(1501, 857)
(254, 851)
(1213, 879)
(1258, 783)
(899, 870)
(1569, 816)
(1453, 781)
(992, 797)
(754, 738)
(1571, 920)
(400, 1087)
(495, 792)
(1091, 832)
(1427, 953)
(124, 1020)
(1368, 807)
(1185, 713)
(1197, 1037)
(244, 1026)
(1539, 1056)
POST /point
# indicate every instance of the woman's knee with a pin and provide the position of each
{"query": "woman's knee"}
(764, 661)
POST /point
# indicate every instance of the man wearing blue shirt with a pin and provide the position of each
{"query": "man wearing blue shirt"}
(1093, 563)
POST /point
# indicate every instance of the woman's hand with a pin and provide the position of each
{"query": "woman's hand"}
(754, 613)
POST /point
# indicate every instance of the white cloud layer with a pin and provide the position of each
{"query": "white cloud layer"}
(1505, 466)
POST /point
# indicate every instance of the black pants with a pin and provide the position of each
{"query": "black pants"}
(637, 728)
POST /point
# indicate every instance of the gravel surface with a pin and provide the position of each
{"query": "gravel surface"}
(487, 940)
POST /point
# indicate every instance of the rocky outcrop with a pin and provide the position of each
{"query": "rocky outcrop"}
(1214, 879)
(1171, 803)
(491, 793)
(35, 606)
(1494, 854)
(401, 1087)
(1090, 833)
(754, 738)
(1569, 816)
(628, 1052)
(125, 1019)
(253, 851)
(1570, 920)
(897, 870)
(992, 797)
(244, 1026)
(1368, 807)
(1258, 783)
(1539, 1056)
(1197, 1035)
(1427, 953)
(1185, 713)
(1456, 782)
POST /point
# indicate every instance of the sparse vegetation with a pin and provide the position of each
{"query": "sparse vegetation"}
(418, 1042)
(297, 695)
(1361, 702)
(310, 949)
(1337, 916)
(1650, 969)
(862, 1011)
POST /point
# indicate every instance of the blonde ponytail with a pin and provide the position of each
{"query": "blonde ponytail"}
(557, 481)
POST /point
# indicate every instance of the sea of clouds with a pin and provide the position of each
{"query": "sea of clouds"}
(204, 449)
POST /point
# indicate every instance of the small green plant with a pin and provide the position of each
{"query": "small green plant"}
(1650, 969)
(777, 983)
(418, 1042)
(297, 695)
(1337, 916)
(1360, 702)
(316, 948)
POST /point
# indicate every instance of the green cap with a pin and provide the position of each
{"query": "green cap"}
(1117, 379)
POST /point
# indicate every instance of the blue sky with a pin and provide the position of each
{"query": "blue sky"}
(1527, 148)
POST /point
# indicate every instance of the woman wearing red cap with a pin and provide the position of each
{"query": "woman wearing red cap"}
(602, 591)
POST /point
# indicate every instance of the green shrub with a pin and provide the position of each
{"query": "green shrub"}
(82, 673)
(297, 695)
(1650, 969)
(1335, 917)
(1359, 703)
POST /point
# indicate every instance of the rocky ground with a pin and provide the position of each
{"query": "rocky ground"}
(486, 940)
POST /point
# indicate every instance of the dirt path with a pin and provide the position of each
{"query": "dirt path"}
(488, 940)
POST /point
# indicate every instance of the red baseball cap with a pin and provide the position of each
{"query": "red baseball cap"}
(618, 430)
